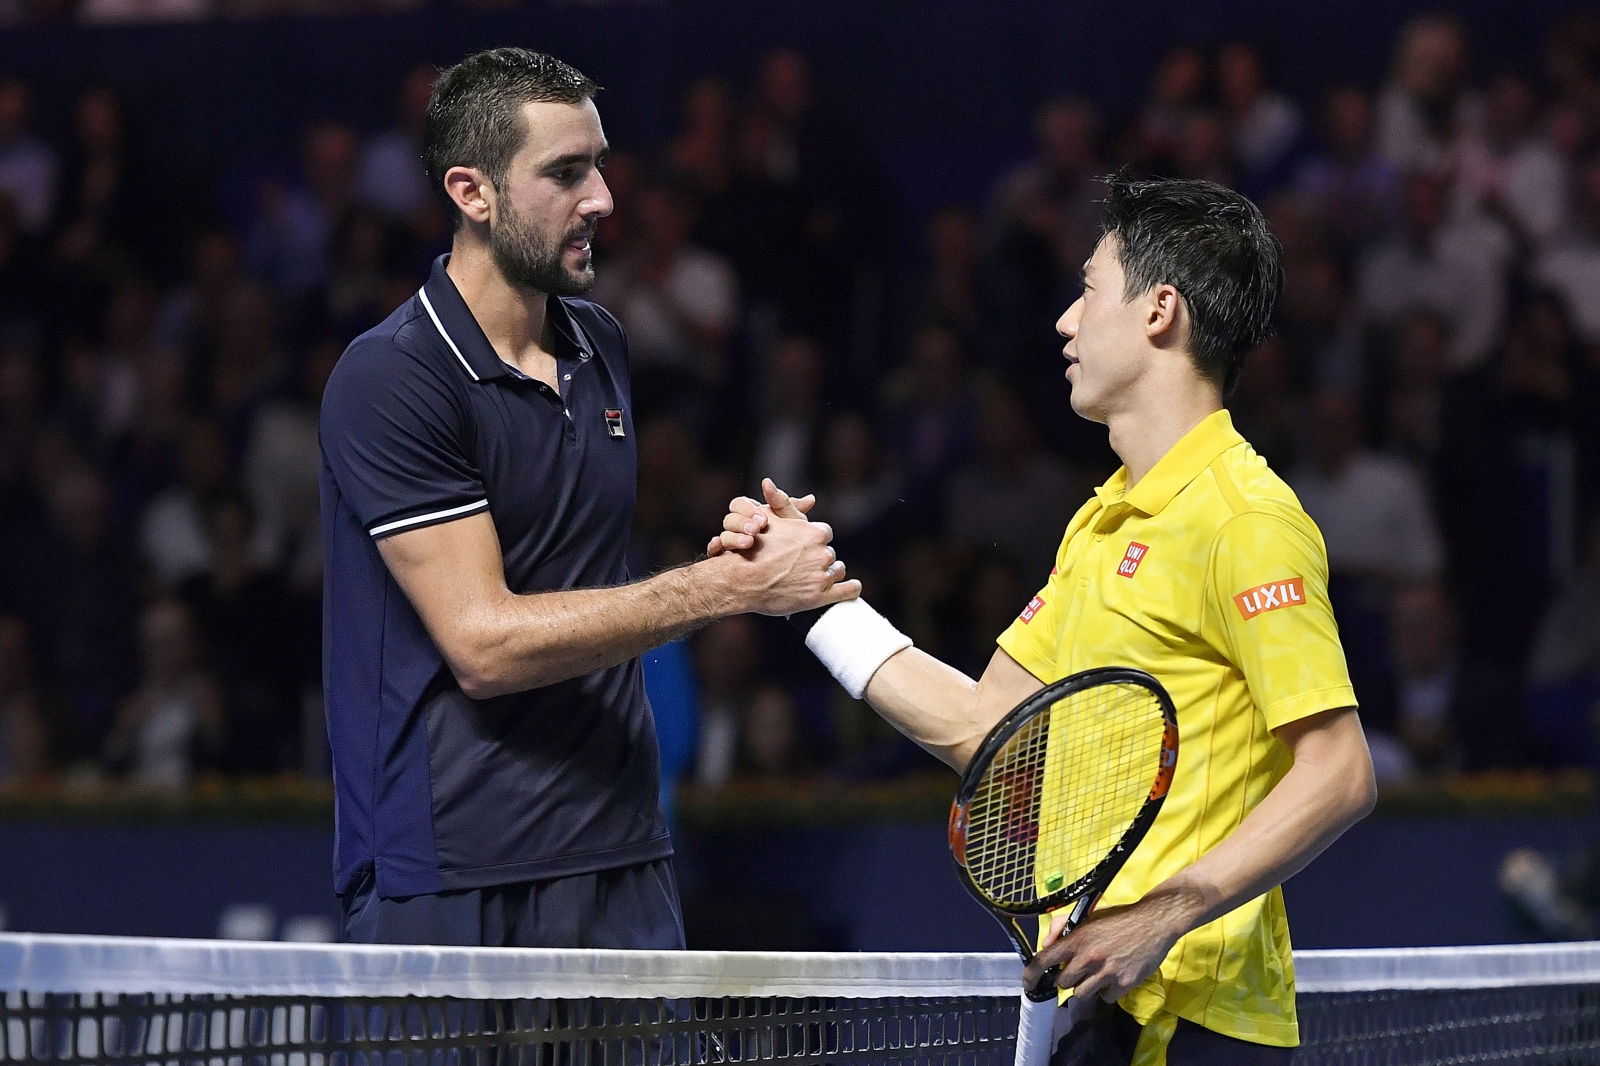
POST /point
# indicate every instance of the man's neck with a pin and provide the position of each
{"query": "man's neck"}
(1145, 431)
(512, 317)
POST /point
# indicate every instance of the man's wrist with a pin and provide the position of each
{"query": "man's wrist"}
(714, 589)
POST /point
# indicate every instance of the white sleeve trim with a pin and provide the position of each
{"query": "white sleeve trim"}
(432, 516)
(428, 306)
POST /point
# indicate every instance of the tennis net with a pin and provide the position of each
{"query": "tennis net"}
(143, 1002)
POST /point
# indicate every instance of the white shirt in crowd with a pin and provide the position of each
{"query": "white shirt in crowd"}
(1531, 182)
(1572, 268)
(1375, 518)
(1460, 274)
(700, 289)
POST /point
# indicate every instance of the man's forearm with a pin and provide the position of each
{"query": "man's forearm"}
(943, 710)
(528, 641)
(1328, 789)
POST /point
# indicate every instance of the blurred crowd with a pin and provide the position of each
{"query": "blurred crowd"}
(1432, 393)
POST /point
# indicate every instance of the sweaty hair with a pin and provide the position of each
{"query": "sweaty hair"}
(1213, 246)
(475, 112)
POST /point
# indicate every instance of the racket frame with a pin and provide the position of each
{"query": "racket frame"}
(1087, 889)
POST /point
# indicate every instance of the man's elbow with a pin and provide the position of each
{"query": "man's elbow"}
(1363, 785)
(479, 667)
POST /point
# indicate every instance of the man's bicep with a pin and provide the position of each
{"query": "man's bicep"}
(1004, 684)
(451, 572)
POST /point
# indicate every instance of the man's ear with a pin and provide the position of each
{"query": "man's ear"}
(471, 192)
(1164, 314)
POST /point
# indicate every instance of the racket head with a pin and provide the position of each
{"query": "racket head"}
(1103, 744)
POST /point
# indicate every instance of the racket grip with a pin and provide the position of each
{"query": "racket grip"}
(1035, 1026)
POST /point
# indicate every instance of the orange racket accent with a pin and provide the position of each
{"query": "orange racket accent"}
(1169, 761)
(958, 833)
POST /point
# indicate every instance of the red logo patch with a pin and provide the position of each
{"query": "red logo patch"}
(1131, 559)
(1272, 596)
(1033, 608)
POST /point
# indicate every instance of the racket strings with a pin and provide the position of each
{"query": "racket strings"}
(1062, 791)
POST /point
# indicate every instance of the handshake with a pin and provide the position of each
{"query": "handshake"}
(776, 561)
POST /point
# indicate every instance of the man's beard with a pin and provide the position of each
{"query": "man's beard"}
(526, 258)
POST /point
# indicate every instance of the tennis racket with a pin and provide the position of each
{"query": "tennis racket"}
(1055, 800)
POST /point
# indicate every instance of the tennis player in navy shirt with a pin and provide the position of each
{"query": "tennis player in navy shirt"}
(494, 757)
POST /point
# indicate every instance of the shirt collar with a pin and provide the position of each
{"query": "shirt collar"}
(452, 319)
(1172, 473)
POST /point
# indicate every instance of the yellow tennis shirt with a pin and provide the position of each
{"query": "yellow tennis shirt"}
(1210, 576)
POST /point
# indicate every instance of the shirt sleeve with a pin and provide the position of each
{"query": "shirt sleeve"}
(395, 437)
(1268, 591)
(1034, 639)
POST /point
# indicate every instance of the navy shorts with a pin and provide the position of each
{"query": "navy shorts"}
(1109, 1035)
(628, 907)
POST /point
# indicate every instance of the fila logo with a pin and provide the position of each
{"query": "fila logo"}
(1033, 608)
(1130, 560)
(1271, 597)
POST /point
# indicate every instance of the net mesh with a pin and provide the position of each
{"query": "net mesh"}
(71, 1000)
(1094, 755)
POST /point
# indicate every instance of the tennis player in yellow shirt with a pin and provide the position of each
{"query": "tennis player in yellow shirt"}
(1196, 563)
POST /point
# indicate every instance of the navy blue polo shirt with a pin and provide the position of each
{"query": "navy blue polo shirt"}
(423, 423)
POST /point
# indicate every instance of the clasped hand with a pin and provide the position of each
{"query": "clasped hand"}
(794, 566)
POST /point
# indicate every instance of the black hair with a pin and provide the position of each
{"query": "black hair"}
(1212, 245)
(475, 112)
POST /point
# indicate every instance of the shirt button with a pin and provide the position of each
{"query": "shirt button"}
(569, 413)
(566, 377)
(1098, 537)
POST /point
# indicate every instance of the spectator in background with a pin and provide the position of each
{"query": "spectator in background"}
(24, 740)
(1040, 226)
(950, 291)
(107, 381)
(1375, 518)
(1013, 496)
(1353, 190)
(1177, 92)
(77, 587)
(1505, 479)
(1264, 408)
(790, 414)
(108, 217)
(1455, 712)
(176, 531)
(261, 650)
(191, 317)
(1372, 509)
(727, 657)
(1512, 171)
(1427, 109)
(280, 471)
(860, 490)
(930, 411)
(172, 726)
(29, 168)
(389, 176)
(1202, 153)
(1264, 127)
(1412, 387)
(1455, 266)
(1572, 57)
(665, 532)
(1564, 667)
(1570, 262)
(771, 744)
(291, 242)
(679, 304)
(701, 155)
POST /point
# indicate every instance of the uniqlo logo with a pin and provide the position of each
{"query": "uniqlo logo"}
(1033, 608)
(1272, 596)
(1131, 559)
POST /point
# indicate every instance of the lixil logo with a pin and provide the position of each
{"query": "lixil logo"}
(1270, 597)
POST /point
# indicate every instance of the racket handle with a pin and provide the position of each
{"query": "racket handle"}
(1035, 1026)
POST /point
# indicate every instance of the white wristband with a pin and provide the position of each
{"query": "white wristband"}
(853, 640)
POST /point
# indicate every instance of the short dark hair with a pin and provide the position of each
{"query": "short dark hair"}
(1212, 245)
(475, 112)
